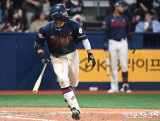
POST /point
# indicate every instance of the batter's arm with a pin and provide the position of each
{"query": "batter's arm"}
(40, 51)
(42, 57)
(81, 36)
(87, 46)
(39, 46)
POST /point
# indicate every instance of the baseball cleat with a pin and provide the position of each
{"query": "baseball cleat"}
(113, 91)
(75, 114)
(125, 88)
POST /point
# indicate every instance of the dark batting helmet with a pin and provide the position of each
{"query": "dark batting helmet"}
(56, 12)
(118, 3)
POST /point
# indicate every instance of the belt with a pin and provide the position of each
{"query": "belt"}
(57, 56)
(118, 39)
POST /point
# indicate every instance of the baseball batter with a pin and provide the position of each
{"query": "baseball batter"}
(62, 36)
(115, 27)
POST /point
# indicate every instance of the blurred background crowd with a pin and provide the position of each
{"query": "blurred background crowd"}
(30, 15)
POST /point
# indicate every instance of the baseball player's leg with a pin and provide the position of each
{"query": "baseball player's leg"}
(114, 61)
(73, 69)
(73, 65)
(61, 69)
(123, 57)
(60, 66)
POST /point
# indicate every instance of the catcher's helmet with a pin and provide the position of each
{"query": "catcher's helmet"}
(56, 12)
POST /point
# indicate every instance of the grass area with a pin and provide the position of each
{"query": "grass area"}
(142, 101)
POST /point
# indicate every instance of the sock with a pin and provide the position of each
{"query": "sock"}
(125, 77)
(70, 98)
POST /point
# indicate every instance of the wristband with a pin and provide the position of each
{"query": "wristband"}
(41, 55)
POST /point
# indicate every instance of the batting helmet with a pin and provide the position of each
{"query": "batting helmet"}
(56, 12)
(118, 3)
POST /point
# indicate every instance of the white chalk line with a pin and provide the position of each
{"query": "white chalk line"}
(10, 116)
(15, 117)
(55, 113)
(87, 113)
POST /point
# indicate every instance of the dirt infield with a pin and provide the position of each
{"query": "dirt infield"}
(64, 114)
(29, 92)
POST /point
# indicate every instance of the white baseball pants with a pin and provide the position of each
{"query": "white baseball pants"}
(66, 68)
(118, 50)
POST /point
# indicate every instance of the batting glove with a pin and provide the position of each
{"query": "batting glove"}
(43, 59)
(90, 57)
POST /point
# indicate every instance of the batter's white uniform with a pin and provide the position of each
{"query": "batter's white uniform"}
(118, 50)
(62, 44)
(66, 68)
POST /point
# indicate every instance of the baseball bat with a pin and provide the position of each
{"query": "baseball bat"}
(38, 82)
(107, 64)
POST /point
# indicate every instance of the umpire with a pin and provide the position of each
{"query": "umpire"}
(116, 28)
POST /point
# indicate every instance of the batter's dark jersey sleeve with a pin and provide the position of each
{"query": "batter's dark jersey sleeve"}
(41, 37)
(81, 35)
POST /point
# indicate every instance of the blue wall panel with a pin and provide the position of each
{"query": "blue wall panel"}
(8, 62)
(133, 85)
(30, 67)
(20, 65)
